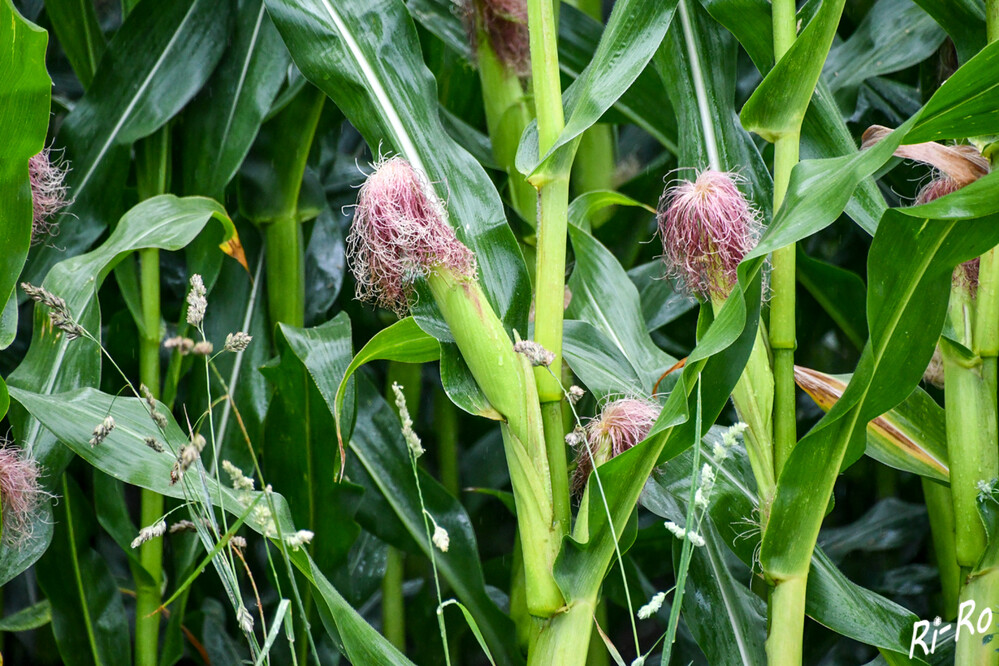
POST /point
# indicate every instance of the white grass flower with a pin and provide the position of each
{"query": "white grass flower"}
(196, 301)
(703, 494)
(203, 348)
(239, 481)
(412, 439)
(675, 529)
(237, 342)
(180, 343)
(535, 353)
(651, 608)
(441, 538)
(183, 526)
(149, 533)
(299, 539)
(575, 394)
(681, 533)
(102, 430)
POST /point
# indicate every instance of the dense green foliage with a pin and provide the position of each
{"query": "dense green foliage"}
(280, 508)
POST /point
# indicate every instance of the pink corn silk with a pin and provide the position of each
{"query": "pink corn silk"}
(19, 495)
(707, 227)
(400, 232)
(621, 425)
(48, 194)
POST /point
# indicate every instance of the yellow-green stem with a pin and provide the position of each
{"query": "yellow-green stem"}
(283, 232)
(552, 419)
(971, 444)
(148, 595)
(787, 601)
(505, 378)
(971, 650)
(553, 217)
(152, 169)
(787, 622)
(987, 323)
(285, 271)
(753, 400)
(549, 295)
(507, 114)
(565, 638)
(782, 309)
(971, 426)
(939, 506)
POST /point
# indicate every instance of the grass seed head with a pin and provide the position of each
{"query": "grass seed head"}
(400, 232)
(707, 227)
(197, 301)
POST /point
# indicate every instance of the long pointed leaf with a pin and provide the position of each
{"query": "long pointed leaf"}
(53, 363)
(157, 61)
(24, 117)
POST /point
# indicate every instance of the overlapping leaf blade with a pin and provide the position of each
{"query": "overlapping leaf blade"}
(54, 364)
(366, 57)
(24, 114)
(223, 120)
(124, 456)
(157, 61)
(378, 445)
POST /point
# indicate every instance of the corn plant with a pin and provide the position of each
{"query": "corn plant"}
(499, 331)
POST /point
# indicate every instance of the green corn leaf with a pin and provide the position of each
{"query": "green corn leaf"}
(600, 365)
(222, 121)
(894, 35)
(123, 455)
(964, 21)
(76, 27)
(643, 103)
(54, 364)
(26, 619)
(832, 599)
(820, 189)
(88, 615)
(385, 90)
(403, 341)
(634, 31)
(584, 207)
(697, 64)
(911, 437)
(910, 264)
(778, 105)
(840, 292)
(159, 58)
(824, 132)
(603, 296)
(377, 446)
(24, 118)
